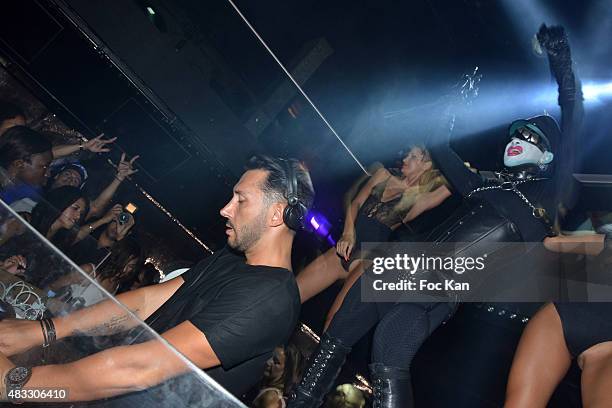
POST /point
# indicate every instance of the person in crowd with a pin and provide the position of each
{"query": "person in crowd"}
(74, 174)
(281, 372)
(94, 250)
(148, 275)
(25, 156)
(520, 204)
(226, 314)
(11, 115)
(386, 201)
(116, 274)
(346, 396)
(58, 217)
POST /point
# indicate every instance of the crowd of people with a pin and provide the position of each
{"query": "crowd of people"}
(233, 313)
(46, 190)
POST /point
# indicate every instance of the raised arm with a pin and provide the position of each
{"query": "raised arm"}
(125, 168)
(95, 145)
(461, 178)
(426, 202)
(555, 43)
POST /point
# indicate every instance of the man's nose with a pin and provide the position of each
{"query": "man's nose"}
(225, 213)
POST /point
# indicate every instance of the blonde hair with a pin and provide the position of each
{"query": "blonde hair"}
(429, 181)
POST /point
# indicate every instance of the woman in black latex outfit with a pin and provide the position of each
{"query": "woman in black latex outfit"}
(519, 204)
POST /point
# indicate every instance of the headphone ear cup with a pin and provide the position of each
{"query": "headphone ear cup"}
(294, 215)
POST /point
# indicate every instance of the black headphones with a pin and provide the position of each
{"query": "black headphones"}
(295, 211)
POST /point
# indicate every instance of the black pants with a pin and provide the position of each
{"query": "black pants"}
(401, 327)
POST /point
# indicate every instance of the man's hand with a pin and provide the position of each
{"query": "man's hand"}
(17, 335)
(14, 264)
(125, 168)
(98, 144)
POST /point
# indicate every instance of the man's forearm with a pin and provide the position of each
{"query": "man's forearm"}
(104, 318)
(112, 372)
(108, 317)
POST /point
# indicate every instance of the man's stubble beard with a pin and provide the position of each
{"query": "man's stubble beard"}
(248, 235)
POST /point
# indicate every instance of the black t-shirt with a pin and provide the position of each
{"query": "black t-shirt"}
(245, 311)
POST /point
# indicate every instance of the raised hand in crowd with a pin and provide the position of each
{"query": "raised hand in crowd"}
(125, 168)
(112, 214)
(124, 228)
(98, 144)
(95, 145)
(14, 264)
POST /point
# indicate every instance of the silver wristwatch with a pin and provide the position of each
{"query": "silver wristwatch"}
(14, 380)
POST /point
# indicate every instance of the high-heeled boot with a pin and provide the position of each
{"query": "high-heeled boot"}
(392, 387)
(321, 373)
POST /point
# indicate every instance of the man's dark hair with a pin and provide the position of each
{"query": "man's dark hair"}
(9, 110)
(20, 143)
(275, 186)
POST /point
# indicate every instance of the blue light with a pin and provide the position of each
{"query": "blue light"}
(321, 226)
(314, 223)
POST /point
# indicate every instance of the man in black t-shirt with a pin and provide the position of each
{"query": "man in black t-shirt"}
(226, 314)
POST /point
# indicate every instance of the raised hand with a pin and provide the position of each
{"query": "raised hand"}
(553, 39)
(98, 144)
(123, 229)
(14, 264)
(126, 168)
(113, 213)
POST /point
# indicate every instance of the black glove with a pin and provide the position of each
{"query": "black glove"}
(554, 40)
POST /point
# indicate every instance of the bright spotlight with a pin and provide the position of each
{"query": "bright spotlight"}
(597, 92)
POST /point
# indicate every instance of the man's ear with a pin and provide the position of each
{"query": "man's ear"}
(277, 215)
(546, 158)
